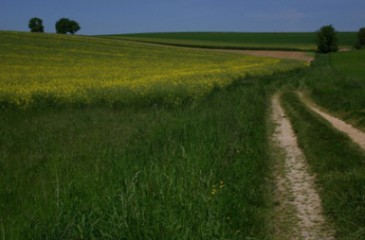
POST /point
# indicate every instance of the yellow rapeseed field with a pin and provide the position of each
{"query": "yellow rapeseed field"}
(75, 69)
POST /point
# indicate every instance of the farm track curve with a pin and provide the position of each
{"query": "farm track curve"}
(295, 184)
(356, 135)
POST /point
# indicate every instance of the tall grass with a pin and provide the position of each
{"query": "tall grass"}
(339, 167)
(124, 141)
(191, 172)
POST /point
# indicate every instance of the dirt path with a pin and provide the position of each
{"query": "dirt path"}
(354, 134)
(303, 197)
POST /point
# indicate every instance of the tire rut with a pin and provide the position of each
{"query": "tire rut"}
(356, 135)
(303, 197)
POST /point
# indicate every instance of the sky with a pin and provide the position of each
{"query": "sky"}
(138, 16)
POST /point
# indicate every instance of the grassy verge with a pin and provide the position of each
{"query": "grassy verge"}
(191, 172)
(339, 166)
(336, 82)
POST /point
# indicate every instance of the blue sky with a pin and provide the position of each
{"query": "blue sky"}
(132, 16)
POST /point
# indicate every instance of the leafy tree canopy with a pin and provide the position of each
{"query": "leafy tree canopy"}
(327, 40)
(36, 25)
(361, 36)
(65, 25)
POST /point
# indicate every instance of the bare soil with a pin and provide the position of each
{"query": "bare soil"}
(356, 135)
(297, 55)
(295, 184)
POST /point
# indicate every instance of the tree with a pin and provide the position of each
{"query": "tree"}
(65, 25)
(361, 36)
(327, 39)
(36, 25)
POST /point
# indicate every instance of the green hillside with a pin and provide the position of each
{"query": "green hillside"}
(351, 64)
(77, 70)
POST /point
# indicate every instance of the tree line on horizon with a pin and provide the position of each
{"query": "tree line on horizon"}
(63, 26)
(327, 40)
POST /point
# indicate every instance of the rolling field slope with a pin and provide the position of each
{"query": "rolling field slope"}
(58, 69)
(109, 139)
(159, 167)
(269, 41)
(351, 64)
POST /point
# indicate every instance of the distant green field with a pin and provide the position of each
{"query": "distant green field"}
(279, 41)
(351, 64)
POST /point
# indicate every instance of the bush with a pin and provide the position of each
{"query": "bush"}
(327, 40)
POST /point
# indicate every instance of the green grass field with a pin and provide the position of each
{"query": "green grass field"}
(304, 41)
(152, 166)
(193, 172)
(350, 64)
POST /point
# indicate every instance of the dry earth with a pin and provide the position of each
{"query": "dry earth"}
(303, 197)
(354, 134)
(296, 55)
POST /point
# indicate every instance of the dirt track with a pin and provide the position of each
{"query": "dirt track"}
(354, 134)
(296, 179)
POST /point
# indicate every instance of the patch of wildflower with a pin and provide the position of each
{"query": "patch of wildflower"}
(217, 187)
(85, 69)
